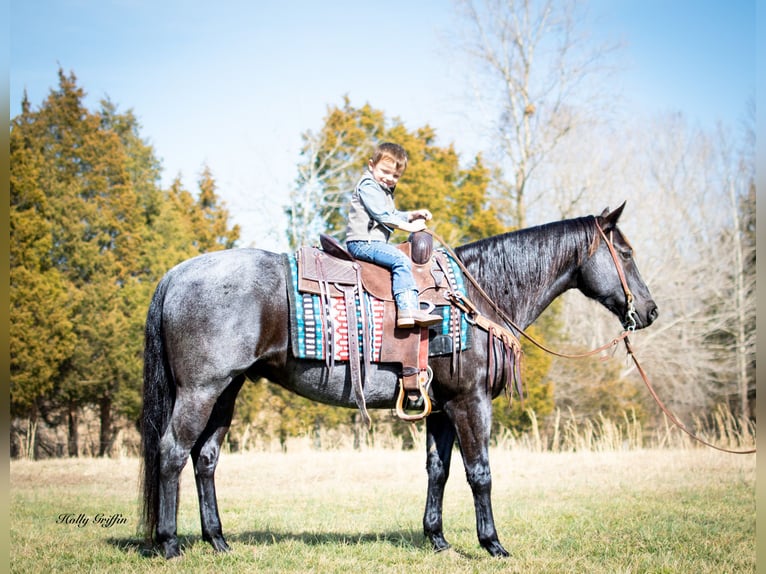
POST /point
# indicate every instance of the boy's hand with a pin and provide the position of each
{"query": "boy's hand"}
(420, 214)
(413, 225)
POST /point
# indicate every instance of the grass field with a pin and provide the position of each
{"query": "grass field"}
(690, 510)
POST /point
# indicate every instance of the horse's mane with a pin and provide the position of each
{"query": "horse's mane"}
(530, 256)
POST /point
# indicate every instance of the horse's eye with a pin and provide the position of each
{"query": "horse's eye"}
(626, 254)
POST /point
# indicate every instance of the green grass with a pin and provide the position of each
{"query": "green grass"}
(689, 510)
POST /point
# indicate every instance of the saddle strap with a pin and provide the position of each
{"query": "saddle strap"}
(326, 312)
(411, 373)
(511, 344)
(354, 363)
(511, 360)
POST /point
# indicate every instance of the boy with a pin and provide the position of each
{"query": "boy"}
(372, 217)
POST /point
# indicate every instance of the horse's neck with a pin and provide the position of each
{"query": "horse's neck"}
(525, 271)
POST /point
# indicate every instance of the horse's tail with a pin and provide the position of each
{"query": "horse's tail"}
(158, 400)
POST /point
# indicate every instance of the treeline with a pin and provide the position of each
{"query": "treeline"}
(92, 231)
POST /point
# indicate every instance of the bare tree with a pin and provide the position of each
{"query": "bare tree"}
(685, 199)
(739, 306)
(543, 82)
(742, 306)
(323, 179)
(541, 75)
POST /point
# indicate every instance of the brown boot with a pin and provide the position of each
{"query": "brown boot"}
(408, 318)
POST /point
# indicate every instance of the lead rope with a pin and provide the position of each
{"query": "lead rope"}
(467, 305)
(668, 413)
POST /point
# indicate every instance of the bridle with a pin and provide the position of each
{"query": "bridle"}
(630, 313)
(630, 318)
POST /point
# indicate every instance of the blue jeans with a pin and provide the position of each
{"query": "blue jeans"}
(388, 256)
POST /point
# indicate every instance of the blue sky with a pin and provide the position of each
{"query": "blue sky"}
(234, 84)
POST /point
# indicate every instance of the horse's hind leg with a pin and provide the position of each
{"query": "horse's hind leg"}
(190, 415)
(205, 458)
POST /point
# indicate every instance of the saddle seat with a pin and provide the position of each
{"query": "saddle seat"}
(334, 265)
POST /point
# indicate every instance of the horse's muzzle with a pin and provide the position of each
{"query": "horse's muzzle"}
(643, 319)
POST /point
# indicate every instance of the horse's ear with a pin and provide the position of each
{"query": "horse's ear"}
(609, 220)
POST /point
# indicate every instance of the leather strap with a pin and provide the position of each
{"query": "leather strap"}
(349, 297)
(326, 311)
(353, 350)
(669, 414)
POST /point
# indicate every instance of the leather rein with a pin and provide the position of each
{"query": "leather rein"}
(631, 317)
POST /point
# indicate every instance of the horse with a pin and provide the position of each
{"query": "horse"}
(221, 318)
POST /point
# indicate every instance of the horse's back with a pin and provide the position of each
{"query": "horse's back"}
(223, 311)
(217, 266)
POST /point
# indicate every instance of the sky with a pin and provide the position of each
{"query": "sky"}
(234, 84)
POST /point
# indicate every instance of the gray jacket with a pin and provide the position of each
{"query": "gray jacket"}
(372, 215)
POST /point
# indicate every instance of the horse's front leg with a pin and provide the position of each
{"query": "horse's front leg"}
(440, 437)
(472, 417)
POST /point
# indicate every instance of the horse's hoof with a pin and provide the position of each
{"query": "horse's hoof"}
(496, 549)
(439, 543)
(171, 549)
(219, 544)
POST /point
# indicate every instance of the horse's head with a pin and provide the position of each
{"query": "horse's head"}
(600, 276)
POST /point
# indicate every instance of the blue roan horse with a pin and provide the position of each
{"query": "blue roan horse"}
(220, 318)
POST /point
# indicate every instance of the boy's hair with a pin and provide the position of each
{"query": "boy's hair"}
(392, 151)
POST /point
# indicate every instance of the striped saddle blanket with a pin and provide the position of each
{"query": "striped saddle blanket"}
(315, 330)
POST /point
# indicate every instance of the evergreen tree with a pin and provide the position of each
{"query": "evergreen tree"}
(205, 217)
(457, 197)
(91, 213)
(332, 161)
(92, 233)
(41, 330)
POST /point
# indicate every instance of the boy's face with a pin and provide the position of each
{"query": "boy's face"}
(386, 172)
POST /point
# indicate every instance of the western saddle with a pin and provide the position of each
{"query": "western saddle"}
(333, 272)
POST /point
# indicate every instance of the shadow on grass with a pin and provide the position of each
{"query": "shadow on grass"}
(397, 538)
(402, 539)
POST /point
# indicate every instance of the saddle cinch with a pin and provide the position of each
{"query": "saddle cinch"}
(333, 272)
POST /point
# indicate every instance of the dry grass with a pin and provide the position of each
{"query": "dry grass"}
(689, 510)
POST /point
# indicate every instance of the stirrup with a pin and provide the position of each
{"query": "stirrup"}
(429, 307)
(423, 383)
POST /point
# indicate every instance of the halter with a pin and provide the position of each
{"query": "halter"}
(630, 313)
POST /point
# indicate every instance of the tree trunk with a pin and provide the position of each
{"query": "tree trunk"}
(105, 437)
(31, 437)
(73, 439)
